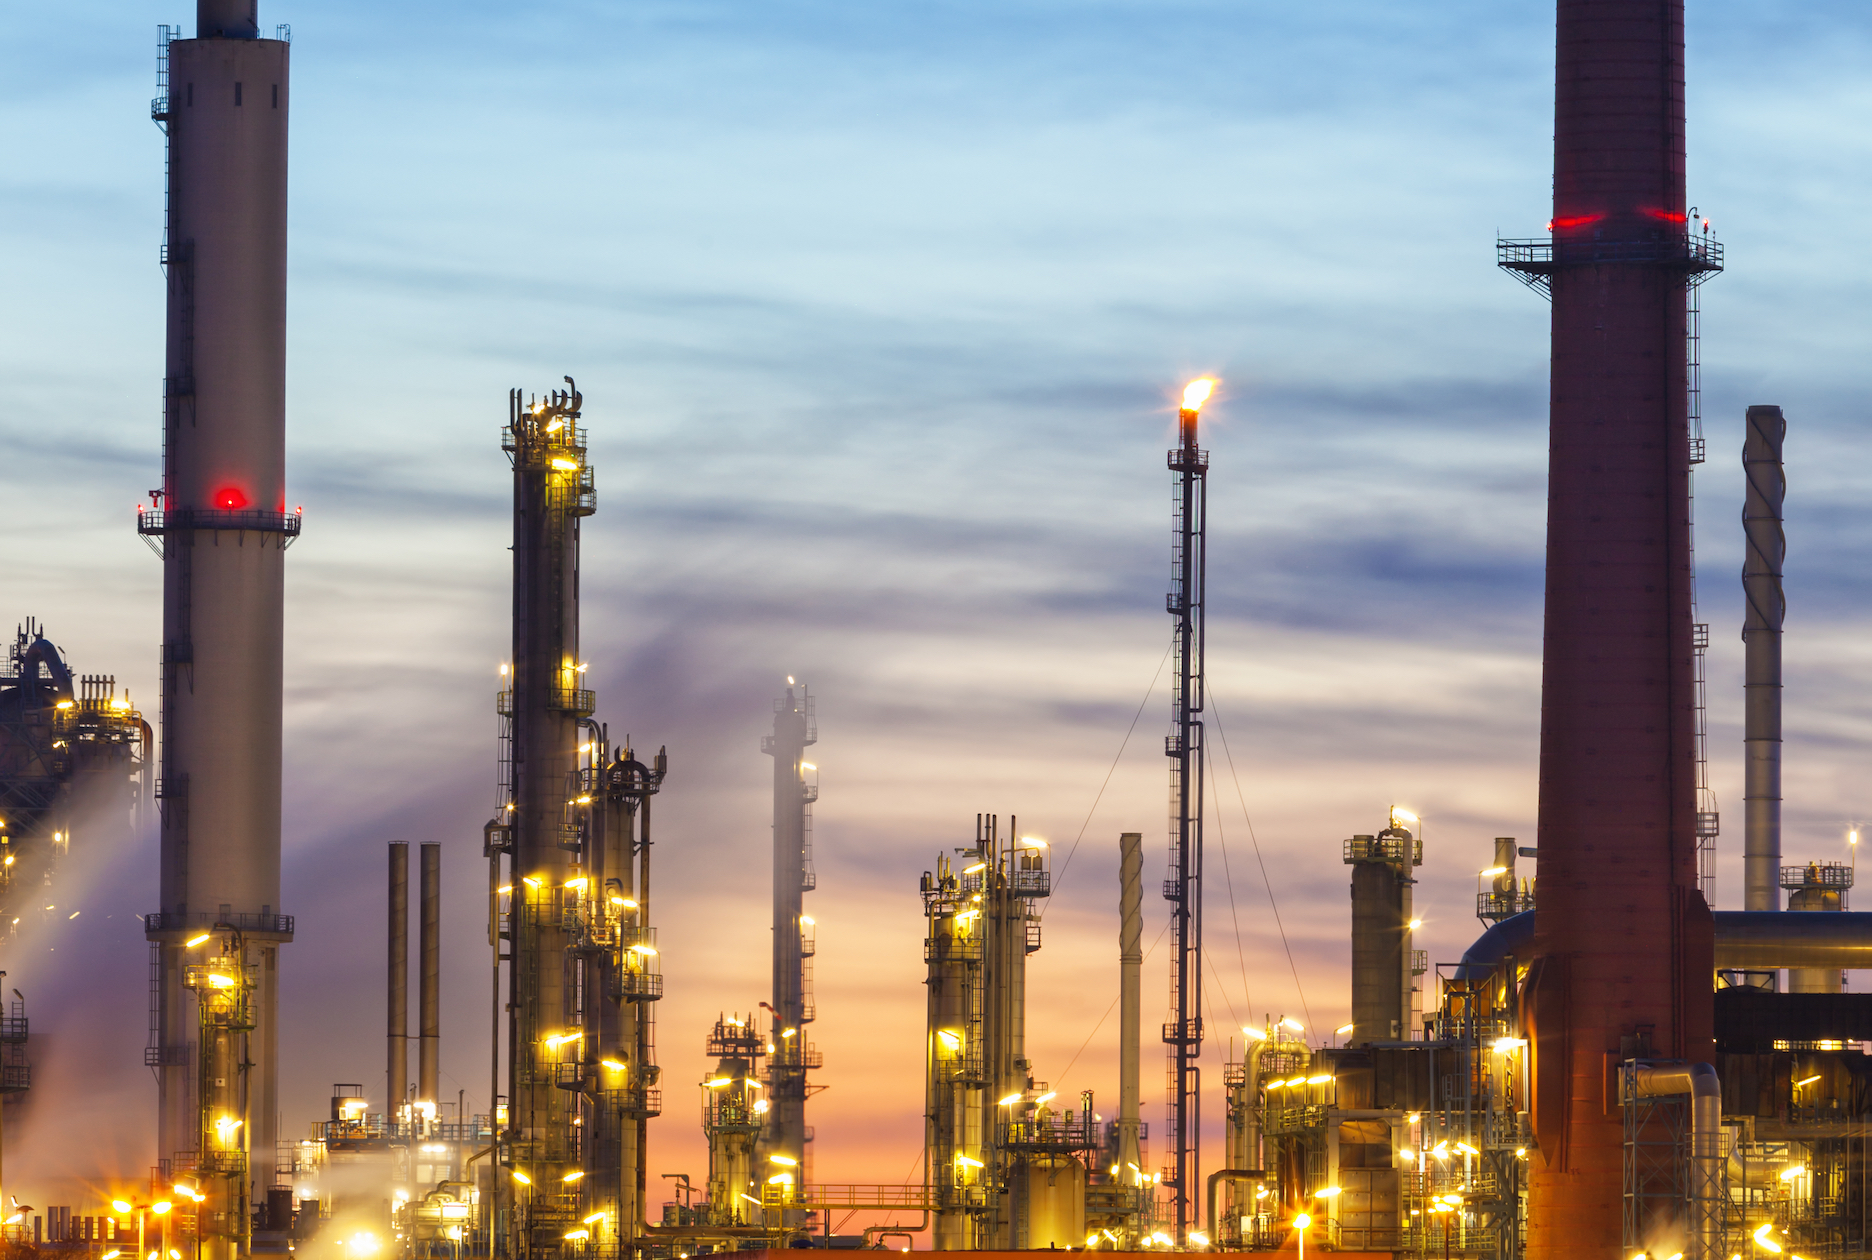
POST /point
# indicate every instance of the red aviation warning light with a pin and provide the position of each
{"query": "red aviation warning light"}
(230, 498)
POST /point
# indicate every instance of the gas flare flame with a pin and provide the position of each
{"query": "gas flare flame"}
(1197, 392)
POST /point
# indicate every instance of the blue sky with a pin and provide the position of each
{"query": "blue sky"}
(879, 311)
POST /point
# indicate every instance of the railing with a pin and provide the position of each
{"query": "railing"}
(1383, 849)
(1054, 1133)
(814, 1197)
(280, 923)
(1500, 905)
(1180, 459)
(165, 522)
(1817, 875)
(12, 1028)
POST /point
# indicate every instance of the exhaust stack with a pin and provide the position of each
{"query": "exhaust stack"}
(397, 1085)
(429, 995)
(1765, 609)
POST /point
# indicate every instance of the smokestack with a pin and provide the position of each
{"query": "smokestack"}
(1618, 773)
(397, 1086)
(429, 994)
(1765, 607)
(1130, 969)
(224, 523)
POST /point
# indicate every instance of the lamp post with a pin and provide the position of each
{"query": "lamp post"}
(123, 1207)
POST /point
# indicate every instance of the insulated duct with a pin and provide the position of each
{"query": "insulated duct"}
(1707, 1193)
(1130, 964)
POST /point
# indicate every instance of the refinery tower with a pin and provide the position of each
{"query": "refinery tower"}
(221, 522)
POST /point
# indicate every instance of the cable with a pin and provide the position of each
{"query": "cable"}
(1240, 957)
(1266, 882)
(1110, 1009)
(1060, 874)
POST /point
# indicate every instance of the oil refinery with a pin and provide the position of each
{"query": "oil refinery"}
(1609, 1066)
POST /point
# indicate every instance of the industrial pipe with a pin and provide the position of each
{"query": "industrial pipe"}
(428, 995)
(397, 1086)
(1746, 940)
(1765, 610)
(1699, 1080)
(1232, 1174)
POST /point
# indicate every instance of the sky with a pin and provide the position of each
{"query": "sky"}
(880, 311)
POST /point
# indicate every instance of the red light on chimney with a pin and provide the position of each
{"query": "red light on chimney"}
(230, 498)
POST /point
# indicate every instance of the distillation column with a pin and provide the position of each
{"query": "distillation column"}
(1382, 879)
(988, 1139)
(547, 700)
(795, 729)
(1618, 775)
(732, 1117)
(221, 515)
(620, 979)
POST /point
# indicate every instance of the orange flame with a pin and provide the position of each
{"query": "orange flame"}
(1197, 393)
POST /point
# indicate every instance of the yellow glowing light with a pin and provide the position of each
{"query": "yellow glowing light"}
(1327, 1193)
(1011, 1099)
(788, 1033)
(1199, 1238)
(118, 1205)
(522, 1178)
(1405, 814)
(529, 881)
(1791, 1173)
(1493, 871)
(1415, 924)
(581, 881)
(593, 1219)
(160, 1208)
(1318, 1080)
(645, 950)
(951, 1041)
(966, 1162)
(1033, 842)
(64, 704)
(612, 1065)
(1467, 1149)
(1049, 1096)
(785, 1161)
(579, 1235)
(807, 765)
(1254, 1034)
(566, 465)
(1197, 392)
(1852, 837)
(1301, 1220)
(1294, 1024)
(192, 941)
(554, 425)
(809, 921)
(1764, 1242)
(556, 1041)
(780, 1179)
(1505, 1045)
(760, 1106)
(573, 1176)
(1340, 1032)
(1810, 1080)
(718, 1082)
(979, 866)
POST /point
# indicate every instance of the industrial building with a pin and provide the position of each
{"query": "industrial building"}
(1612, 1068)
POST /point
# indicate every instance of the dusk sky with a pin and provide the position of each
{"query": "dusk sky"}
(880, 311)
